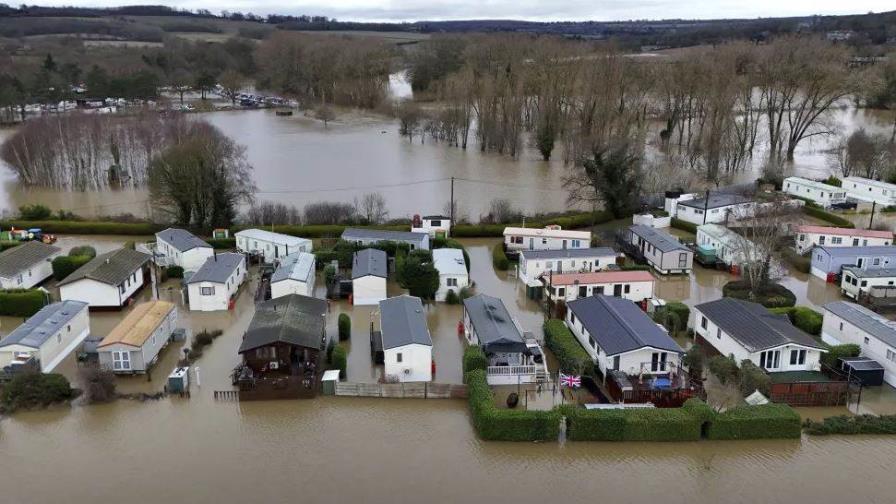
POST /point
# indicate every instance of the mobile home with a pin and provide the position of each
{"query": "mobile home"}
(49, 335)
(662, 251)
(548, 238)
(819, 192)
(133, 346)
(27, 265)
(270, 246)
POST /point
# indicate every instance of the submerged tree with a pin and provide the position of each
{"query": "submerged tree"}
(611, 177)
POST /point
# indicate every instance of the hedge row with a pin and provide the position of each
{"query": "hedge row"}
(494, 424)
(803, 317)
(768, 421)
(8, 244)
(474, 359)
(570, 355)
(87, 227)
(222, 243)
(339, 360)
(21, 302)
(637, 424)
(861, 424)
(64, 266)
(684, 225)
(819, 213)
(775, 295)
(835, 352)
(499, 258)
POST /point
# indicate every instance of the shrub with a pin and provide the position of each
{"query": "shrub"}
(768, 421)
(64, 266)
(83, 251)
(174, 272)
(493, 424)
(35, 212)
(723, 368)
(803, 317)
(86, 227)
(860, 424)
(694, 360)
(474, 358)
(418, 275)
(819, 213)
(451, 297)
(329, 274)
(774, 295)
(753, 378)
(99, 384)
(202, 339)
(499, 258)
(30, 390)
(834, 181)
(674, 316)
(21, 302)
(572, 358)
(222, 243)
(345, 327)
(339, 360)
(8, 244)
(684, 225)
(835, 352)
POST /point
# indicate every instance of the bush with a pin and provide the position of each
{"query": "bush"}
(774, 296)
(684, 225)
(451, 297)
(339, 360)
(801, 263)
(83, 250)
(8, 244)
(723, 368)
(572, 358)
(222, 243)
(474, 358)
(493, 424)
(345, 327)
(835, 352)
(861, 424)
(63, 266)
(768, 421)
(834, 181)
(418, 275)
(499, 258)
(99, 384)
(174, 272)
(30, 390)
(819, 213)
(803, 317)
(753, 378)
(654, 424)
(86, 227)
(21, 302)
(674, 316)
(694, 360)
(202, 339)
(35, 212)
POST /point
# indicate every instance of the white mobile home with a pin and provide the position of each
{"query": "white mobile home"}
(433, 225)
(728, 246)
(630, 285)
(294, 275)
(547, 238)
(270, 246)
(718, 209)
(366, 237)
(829, 236)
(749, 331)
(49, 335)
(819, 192)
(662, 251)
(134, 344)
(870, 191)
(407, 344)
(370, 270)
(619, 336)
(535, 263)
(856, 281)
(215, 284)
(109, 280)
(27, 265)
(179, 247)
(846, 322)
(452, 269)
(828, 262)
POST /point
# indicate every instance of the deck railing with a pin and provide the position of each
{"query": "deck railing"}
(512, 370)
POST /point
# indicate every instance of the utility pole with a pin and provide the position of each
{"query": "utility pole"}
(452, 202)
(871, 220)
(705, 206)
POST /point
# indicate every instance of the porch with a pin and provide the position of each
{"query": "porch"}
(664, 390)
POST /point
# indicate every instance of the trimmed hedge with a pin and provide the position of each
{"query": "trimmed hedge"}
(222, 243)
(572, 358)
(650, 424)
(499, 258)
(87, 227)
(21, 302)
(844, 424)
(684, 225)
(820, 213)
(8, 244)
(835, 352)
(768, 421)
(474, 359)
(339, 360)
(345, 327)
(803, 317)
(64, 266)
(494, 424)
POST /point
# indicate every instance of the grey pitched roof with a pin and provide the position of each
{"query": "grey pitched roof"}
(659, 239)
(716, 200)
(297, 266)
(871, 250)
(866, 320)
(217, 268)
(382, 235)
(43, 324)
(403, 322)
(568, 253)
(370, 262)
(493, 324)
(619, 325)
(24, 256)
(870, 273)
(293, 319)
(111, 268)
(181, 239)
(753, 326)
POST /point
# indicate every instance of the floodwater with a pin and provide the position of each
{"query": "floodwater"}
(377, 450)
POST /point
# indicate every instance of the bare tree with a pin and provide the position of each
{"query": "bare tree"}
(764, 225)
(502, 211)
(329, 213)
(232, 84)
(372, 208)
(268, 213)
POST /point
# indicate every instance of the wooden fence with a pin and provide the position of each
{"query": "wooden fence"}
(402, 390)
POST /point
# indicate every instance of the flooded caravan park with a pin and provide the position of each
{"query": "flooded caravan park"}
(396, 450)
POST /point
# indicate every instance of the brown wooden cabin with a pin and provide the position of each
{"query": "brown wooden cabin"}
(281, 349)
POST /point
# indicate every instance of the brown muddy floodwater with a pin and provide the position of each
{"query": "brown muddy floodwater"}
(340, 450)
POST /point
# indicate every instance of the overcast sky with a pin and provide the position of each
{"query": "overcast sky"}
(540, 10)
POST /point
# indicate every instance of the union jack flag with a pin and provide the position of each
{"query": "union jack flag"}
(570, 381)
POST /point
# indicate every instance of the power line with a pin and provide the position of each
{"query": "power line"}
(353, 188)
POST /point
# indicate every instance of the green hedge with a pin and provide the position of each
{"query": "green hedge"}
(803, 317)
(819, 213)
(474, 359)
(339, 360)
(675, 312)
(8, 244)
(64, 266)
(649, 424)
(87, 227)
(174, 272)
(495, 424)
(21, 302)
(30, 390)
(345, 327)
(684, 225)
(499, 258)
(835, 352)
(570, 355)
(861, 424)
(768, 421)
(222, 243)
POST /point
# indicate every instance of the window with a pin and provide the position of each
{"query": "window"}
(841, 326)
(594, 345)
(207, 291)
(867, 340)
(802, 237)
(544, 241)
(451, 282)
(797, 357)
(266, 352)
(561, 291)
(855, 242)
(718, 333)
(682, 260)
(398, 357)
(435, 223)
(628, 288)
(121, 361)
(821, 240)
(576, 243)
(770, 359)
(864, 283)
(58, 338)
(891, 355)
(121, 288)
(836, 240)
(20, 279)
(572, 317)
(703, 322)
(549, 265)
(68, 328)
